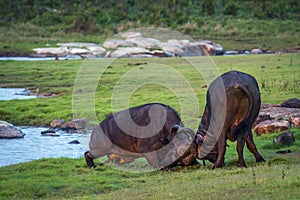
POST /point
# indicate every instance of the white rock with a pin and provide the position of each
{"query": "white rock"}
(146, 43)
(127, 51)
(115, 43)
(132, 34)
(97, 50)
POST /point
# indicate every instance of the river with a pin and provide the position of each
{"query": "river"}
(35, 146)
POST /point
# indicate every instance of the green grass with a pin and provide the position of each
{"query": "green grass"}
(278, 77)
(66, 178)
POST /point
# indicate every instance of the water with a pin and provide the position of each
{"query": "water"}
(35, 146)
(15, 93)
(72, 57)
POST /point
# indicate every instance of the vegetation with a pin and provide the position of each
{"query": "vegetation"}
(278, 77)
(245, 24)
(234, 24)
(66, 178)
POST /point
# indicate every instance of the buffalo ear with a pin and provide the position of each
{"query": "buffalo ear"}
(175, 128)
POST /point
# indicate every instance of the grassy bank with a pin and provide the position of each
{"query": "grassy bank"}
(65, 178)
(278, 77)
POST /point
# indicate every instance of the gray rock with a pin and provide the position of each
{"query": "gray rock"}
(291, 103)
(285, 138)
(8, 130)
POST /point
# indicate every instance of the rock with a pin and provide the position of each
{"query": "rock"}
(97, 50)
(194, 49)
(74, 142)
(284, 151)
(260, 118)
(70, 127)
(52, 50)
(256, 51)
(78, 51)
(291, 103)
(143, 42)
(231, 53)
(115, 43)
(132, 34)
(285, 138)
(81, 123)
(278, 112)
(8, 130)
(126, 51)
(295, 121)
(49, 132)
(174, 49)
(78, 44)
(271, 126)
(57, 123)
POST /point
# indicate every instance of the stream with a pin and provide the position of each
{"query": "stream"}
(36, 146)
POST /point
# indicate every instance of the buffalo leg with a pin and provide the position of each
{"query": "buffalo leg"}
(89, 158)
(252, 148)
(221, 151)
(241, 140)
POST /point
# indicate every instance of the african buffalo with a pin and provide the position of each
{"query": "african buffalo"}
(151, 131)
(233, 103)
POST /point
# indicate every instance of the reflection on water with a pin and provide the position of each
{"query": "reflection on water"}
(35, 146)
(15, 93)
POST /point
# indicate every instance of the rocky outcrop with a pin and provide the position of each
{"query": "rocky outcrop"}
(8, 130)
(129, 44)
(274, 118)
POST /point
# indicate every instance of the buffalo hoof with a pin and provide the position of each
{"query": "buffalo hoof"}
(89, 159)
(261, 159)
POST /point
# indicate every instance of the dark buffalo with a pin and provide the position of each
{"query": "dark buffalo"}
(233, 103)
(151, 131)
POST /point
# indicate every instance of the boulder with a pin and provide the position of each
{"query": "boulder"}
(115, 43)
(74, 142)
(256, 51)
(174, 49)
(57, 123)
(81, 123)
(126, 51)
(231, 53)
(271, 126)
(49, 132)
(132, 34)
(285, 138)
(193, 49)
(8, 130)
(278, 112)
(96, 50)
(52, 50)
(143, 42)
(70, 126)
(295, 120)
(78, 51)
(291, 103)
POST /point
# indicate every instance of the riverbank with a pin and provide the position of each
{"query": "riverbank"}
(278, 76)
